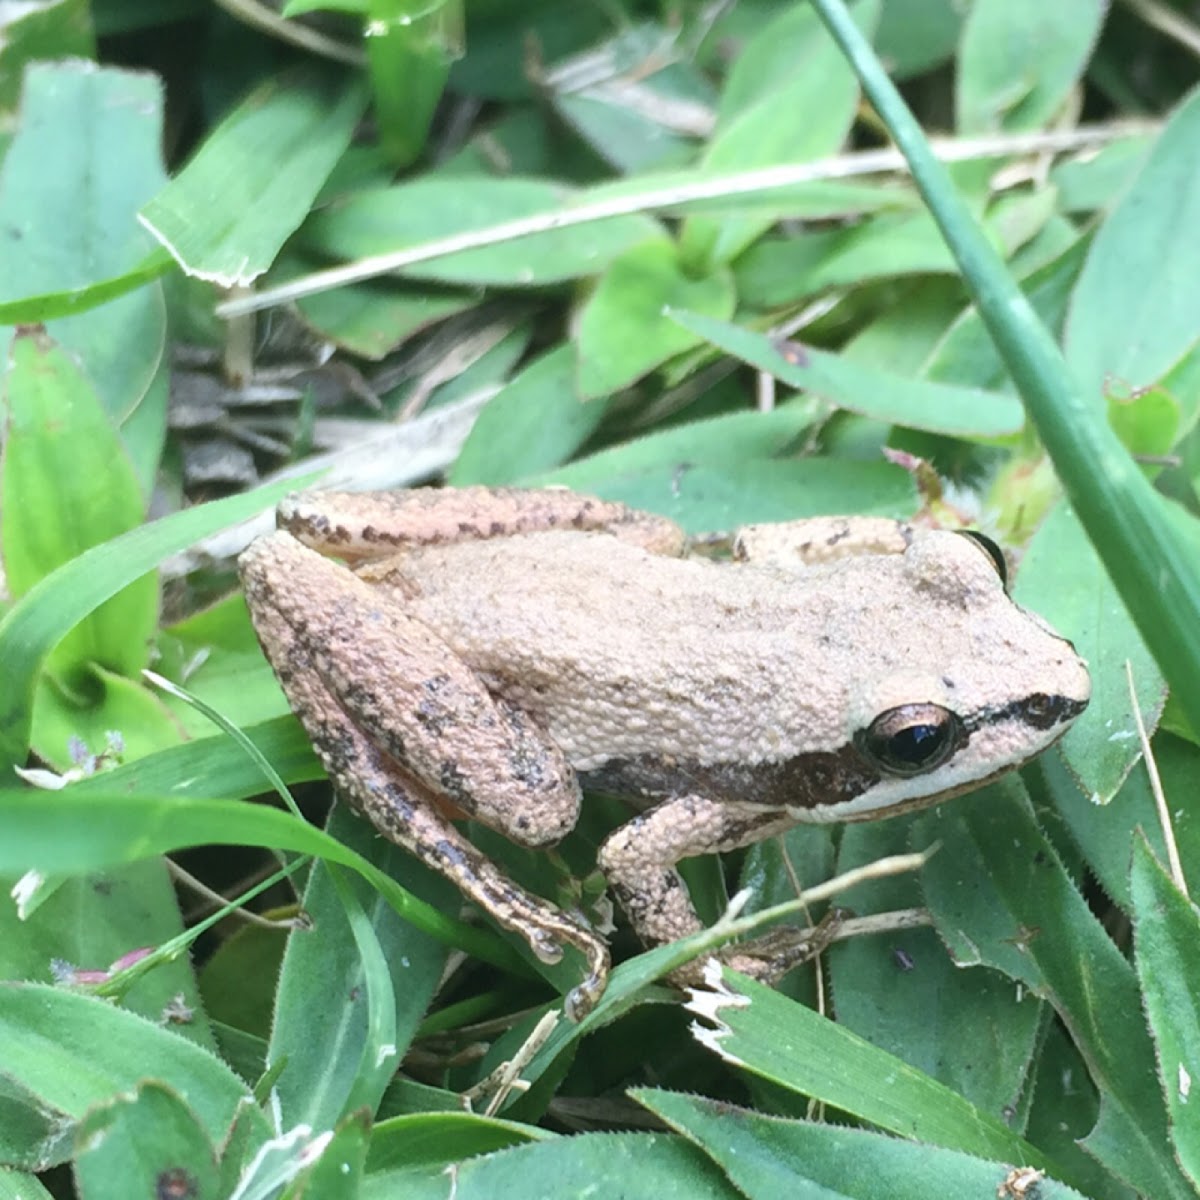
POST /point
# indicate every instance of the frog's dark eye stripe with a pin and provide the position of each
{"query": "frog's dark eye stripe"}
(911, 739)
(989, 548)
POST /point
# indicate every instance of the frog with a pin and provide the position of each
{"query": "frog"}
(493, 653)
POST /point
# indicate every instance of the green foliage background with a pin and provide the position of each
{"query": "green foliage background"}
(663, 253)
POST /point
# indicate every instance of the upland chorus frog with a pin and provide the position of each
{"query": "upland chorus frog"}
(487, 652)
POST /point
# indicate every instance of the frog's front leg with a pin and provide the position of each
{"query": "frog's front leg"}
(639, 858)
(406, 730)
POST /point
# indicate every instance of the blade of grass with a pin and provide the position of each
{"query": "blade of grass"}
(1154, 569)
(55, 605)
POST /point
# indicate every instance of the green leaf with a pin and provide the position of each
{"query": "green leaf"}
(635, 1166)
(1020, 59)
(624, 329)
(342, 1056)
(794, 67)
(760, 1031)
(90, 922)
(441, 1138)
(717, 494)
(939, 408)
(381, 220)
(372, 319)
(1136, 309)
(1102, 746)
(16, 1185)
(999, 895)
(338, 1173)
(227, 213)
(966, 354)
(101, 129)
(905, 994)
(67, 485)
(532, 425)
(145, 1144)
(71, 1052)
(410, 46)
(58, 29)
(767, 1157)
(1167, 937)
(46, 614)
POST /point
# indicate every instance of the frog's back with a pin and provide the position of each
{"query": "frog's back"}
(620, 653)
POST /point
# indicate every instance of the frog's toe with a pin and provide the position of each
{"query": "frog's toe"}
(547, 949)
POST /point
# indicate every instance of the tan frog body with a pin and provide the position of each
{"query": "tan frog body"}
(484, 651)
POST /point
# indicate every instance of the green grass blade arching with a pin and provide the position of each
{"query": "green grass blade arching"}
(1153, 567)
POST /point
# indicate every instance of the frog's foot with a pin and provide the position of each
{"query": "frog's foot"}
(770, 957)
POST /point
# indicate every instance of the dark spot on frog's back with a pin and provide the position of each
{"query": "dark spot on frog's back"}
(805, 781)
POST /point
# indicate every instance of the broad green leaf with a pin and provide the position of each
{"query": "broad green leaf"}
(966, 353)
(215, 654)
(766, 1157)
(1136, 309)
(338, 1173)
(779, 271)
(1094, 180)
(33, 626)
(371, 319)
(1064, 1109)
(624, 330)
(16, 1185)
(1167, 936)
(916, 404)
(1000, 896)
(793, 66)
(225, 216)
(59, 29)
(1106, 833)
(67, 486)
(72, 1052)
(145, 1144)
(1102, 746)
(91, 921)
(382, 220)
(534, 424)
(1020, 59)
(721, 494)
(442, 1138)
(915, 35)
(904, 993)
(332, 1057)
(758, 1030)
(86, 156)
(635, 1166)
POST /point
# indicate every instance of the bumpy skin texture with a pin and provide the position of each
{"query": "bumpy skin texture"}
(493, 645)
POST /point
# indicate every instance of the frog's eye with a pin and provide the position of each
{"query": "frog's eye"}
(911, 739)
(994, 553)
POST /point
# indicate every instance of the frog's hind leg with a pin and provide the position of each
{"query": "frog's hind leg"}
(638, 860)
(370, 774)
(391, 676)
(363, 525)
